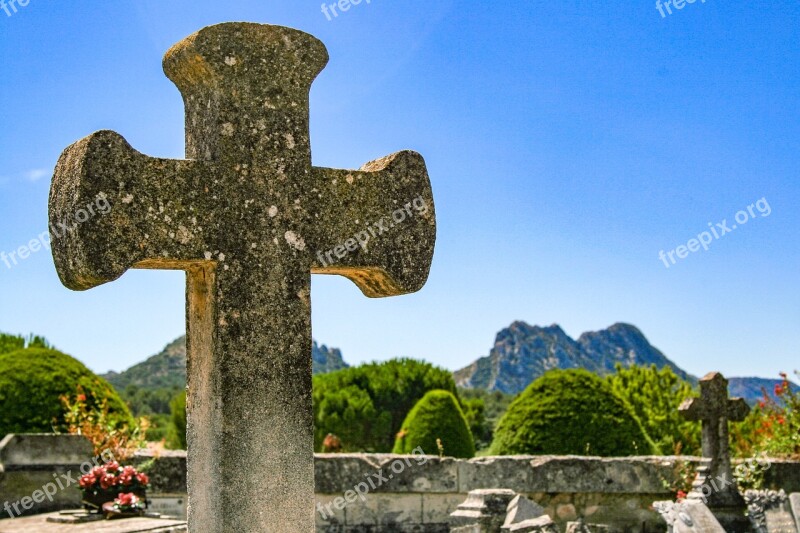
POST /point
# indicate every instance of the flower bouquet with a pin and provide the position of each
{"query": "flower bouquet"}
(124, 506)
(106, 484)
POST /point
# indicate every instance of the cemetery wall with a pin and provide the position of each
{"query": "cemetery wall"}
(376, 492)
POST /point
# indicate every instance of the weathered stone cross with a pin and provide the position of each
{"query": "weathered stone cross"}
(715, 410)
(246, 216)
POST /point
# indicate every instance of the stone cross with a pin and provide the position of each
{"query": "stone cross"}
(715, 410)
(249, 219)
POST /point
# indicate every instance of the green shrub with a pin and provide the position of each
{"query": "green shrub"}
(567, 412)
(176, 438)
(366, 405)
(32, 382)
(655, 396)
(12, 343)
(437, 421)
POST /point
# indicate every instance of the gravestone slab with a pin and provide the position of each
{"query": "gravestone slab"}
(526, 516)
(249, 219)
(40, 524)
(688, 516)
(794, 503)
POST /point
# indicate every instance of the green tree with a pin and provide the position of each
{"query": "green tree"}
(436, 421)
(655, 396)
(365, 406)
(32, 382)
(483, 410)
(570, 412)
(177, 432)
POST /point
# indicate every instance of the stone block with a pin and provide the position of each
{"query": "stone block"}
(385, 512)
(22, 451)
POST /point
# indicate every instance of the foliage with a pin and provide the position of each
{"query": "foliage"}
(149, 401)
(570, 412)
(682, 476)
(773, 426)
(479, 426)
(750, 474)
(365, 406)
(32, 381)
(483, 410)
(90, 417)
(655, 396)
(12, 343)
(176, 438)
(436, 421)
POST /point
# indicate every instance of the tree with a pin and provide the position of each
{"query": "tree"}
(32, 383)
(655, 396)
(483, 410)
(177, 431)
(365, 406)
(436, 421)
(570, 412)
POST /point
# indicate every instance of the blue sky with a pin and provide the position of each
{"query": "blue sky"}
(568, 143)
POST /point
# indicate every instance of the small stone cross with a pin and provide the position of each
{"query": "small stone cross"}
(715, 410)
(249, 219)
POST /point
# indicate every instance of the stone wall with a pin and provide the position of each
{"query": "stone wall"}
(381, 493)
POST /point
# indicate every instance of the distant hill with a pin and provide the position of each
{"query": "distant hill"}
(167, 369)
(522, 353)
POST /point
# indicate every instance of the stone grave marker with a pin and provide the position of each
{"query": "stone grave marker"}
(794, 503)
(249, 219)
(769, 511)
(716, 485)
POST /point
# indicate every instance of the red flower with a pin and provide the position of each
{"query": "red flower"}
(143, 479)
(762, 404)
(781, 420)
(112, 467)
(87, 481)
(681, 495)
(107, 481)
(778, 389)
(98, 472)
(126, 499)
(81, 397)
(125, 480)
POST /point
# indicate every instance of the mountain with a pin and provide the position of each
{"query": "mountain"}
(522, 353)
(625, 344)
(168, 368)
(752, 389)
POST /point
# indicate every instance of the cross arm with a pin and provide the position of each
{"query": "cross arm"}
(376, 226)
(108, 205)
(692, 409)
(737, 409)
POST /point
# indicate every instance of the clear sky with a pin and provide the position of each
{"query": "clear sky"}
(568, 143)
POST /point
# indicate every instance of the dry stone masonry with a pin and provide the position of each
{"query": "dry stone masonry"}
(244, 215)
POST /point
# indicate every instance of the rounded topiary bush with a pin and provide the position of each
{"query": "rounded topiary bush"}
(32, 382)
(570, 412)
(436, 416)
